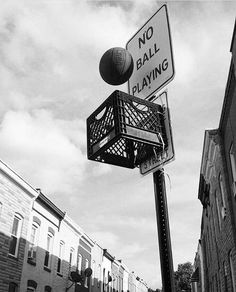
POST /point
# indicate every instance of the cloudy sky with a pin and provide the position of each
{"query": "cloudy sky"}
(50, 83)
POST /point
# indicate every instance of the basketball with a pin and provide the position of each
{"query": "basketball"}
(116, 66)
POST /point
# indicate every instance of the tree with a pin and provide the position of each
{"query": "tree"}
(183, 277)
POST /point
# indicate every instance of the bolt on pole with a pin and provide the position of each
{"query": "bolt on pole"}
(166, 259)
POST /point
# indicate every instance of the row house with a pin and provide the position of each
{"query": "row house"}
(107, 271)
(16, 201)
(40, 263)
(215, 260)
(115, 265)
(84, 263)
(132, 282)
(125, 277)
(97, 256)
(216, 242)
(43, 250)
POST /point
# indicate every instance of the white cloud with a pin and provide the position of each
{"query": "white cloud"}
(39, 147)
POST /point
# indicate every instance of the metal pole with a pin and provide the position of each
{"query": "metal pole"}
(167, 271)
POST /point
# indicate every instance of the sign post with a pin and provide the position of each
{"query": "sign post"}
(151, 50)
(167, 271)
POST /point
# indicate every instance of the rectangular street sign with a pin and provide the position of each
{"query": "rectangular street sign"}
(151, 50)
(167, 154)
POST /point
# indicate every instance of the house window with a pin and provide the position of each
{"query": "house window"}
(13, 287)
(233, 168)
(15, 235)
(48, 252)
(117, 283)
(93, 277)
(86, 278)
(79, 266)
(232, 271)
(104, 280)
(47, 289)
(72, 256)
(114, 283)
(99, 275)
(108, 283)
(222, 193)
(31, 286)
(33, 242)
(60, 257)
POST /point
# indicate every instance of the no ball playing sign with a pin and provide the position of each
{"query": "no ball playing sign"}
(152, 53)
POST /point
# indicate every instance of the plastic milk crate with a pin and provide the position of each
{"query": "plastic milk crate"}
(124, 130)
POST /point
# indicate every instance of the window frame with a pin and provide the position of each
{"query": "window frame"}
(13, 287)
(31, 286)
(72, 257)
(99, 275)
(79, 264)
(48, 250)
(47, 288)
(33, 243)
(60, 257)
(15, 237)
(93, 275)
(222, 194)
(86, 282)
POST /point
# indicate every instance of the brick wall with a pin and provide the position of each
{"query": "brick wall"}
(217, 234)
(14, 198)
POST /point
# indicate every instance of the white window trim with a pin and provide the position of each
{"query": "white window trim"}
(86, 278)
(99, 275)
(50, 248)
(79, 265)
(33, 245)
(93, 269)
(72, 256)
(18, 233)
(61, 252)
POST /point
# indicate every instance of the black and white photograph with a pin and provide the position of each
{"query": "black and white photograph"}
(117, 146)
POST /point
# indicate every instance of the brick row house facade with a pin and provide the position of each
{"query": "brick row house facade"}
(43, 250)
(215, 260)
(16, 201)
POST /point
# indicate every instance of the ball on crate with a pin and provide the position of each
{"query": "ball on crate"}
(116, 66)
